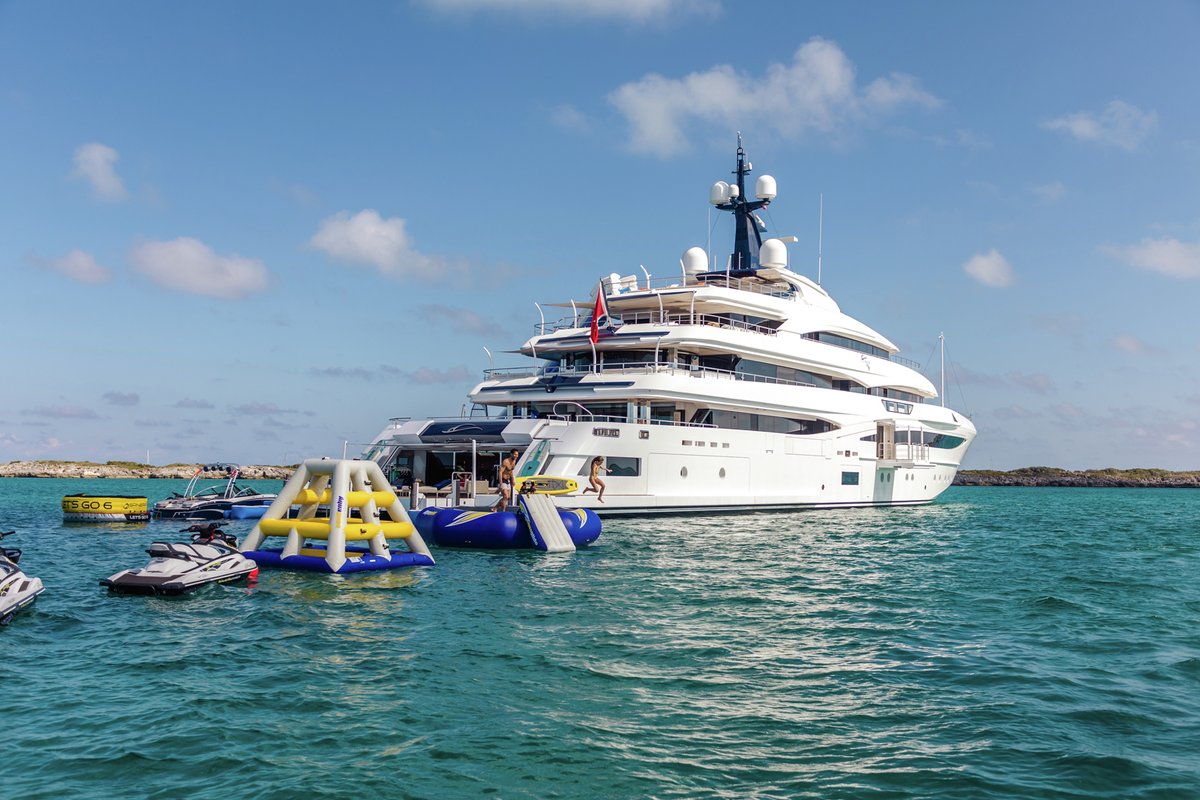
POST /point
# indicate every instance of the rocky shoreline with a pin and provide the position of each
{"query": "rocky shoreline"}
(1092, 478)
(122, 469)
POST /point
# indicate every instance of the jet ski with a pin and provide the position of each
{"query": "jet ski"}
(17, 589)
(212, 556)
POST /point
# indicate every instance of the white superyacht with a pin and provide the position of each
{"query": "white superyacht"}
(721, 389)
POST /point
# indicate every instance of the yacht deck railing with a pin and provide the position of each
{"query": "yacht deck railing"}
(712, 320)
(641, 368)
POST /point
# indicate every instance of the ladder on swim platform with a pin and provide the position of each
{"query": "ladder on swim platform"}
(545, 525)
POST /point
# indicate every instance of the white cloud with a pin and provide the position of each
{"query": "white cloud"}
(990, 269)
(1168, 256)
(368, 238)
(1131, 344)
(460, 319)
(122, 398)
(189, 265)
(1119, 124)
(816, 92)
(188, 402)
(1037, 382)
(62, 412)
(263, 409)
(430, 375)
(78, 266)
(94, 164)
(632, 10)
(1050, 192)
(569, 118)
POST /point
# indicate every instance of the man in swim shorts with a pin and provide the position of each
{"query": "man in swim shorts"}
(506, 479)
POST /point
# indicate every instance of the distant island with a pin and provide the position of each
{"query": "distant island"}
(1091, 478)
(131, 469)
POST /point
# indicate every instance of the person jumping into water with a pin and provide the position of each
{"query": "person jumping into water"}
(594, 483)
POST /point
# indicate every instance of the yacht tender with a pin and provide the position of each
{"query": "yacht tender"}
(214, 502)
(744, 387)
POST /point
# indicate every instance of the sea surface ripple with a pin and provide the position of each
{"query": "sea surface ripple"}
(1000, 643)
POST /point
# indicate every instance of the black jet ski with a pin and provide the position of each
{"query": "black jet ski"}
(17, 590)
(212, 556)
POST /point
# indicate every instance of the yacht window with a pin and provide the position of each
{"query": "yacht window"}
(626, 357)
(742, 421)
(846, 341)
(618, 466)
(943, 441)
(662, 413)
(899, 395)
(897, 408)
(849, 479)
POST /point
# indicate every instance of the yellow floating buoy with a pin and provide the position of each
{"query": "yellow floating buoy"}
(107, 508)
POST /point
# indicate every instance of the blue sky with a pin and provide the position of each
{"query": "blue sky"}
(252, 231)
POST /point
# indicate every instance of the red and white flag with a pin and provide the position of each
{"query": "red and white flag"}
(599, 311)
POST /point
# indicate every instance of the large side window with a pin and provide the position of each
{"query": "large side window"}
(618, 466)
(849, 479)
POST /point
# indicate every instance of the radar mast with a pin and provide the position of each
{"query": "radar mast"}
(747, 239)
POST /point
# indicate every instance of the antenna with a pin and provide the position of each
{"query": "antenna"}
(713, 266)
(942, 342)
(820, 236)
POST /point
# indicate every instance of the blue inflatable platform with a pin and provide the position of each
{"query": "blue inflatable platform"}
(497, 530)
(360, 560)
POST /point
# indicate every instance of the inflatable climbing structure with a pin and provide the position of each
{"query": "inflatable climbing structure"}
(338, 525)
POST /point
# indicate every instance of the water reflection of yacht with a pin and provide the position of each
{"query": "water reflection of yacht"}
(739, 387)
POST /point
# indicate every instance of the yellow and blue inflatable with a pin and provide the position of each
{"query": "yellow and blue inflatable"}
(319, 543)
(498, 530)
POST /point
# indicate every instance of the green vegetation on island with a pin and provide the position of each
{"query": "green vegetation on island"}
(131, 469)
(1056, 476)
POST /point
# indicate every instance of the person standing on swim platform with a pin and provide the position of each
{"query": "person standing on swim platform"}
(506, 479)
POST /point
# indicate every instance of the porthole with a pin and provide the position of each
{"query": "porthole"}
(722, 473)
(683, 472)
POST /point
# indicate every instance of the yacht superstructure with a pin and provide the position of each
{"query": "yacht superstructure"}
(744, 387)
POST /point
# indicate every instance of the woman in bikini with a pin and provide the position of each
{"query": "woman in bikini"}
(594, 483)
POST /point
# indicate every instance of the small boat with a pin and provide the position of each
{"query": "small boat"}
(106, 508)
(212, 556)
(214, 502)
(17, 590)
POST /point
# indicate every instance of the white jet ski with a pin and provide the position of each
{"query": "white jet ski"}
(212, 556)
(17, 590)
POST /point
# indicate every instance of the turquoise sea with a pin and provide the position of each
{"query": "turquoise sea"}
(1001, 643)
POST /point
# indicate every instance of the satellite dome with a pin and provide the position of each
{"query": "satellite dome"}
(773, 254)
(695, 261)
(764, 188)
(719, 193)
